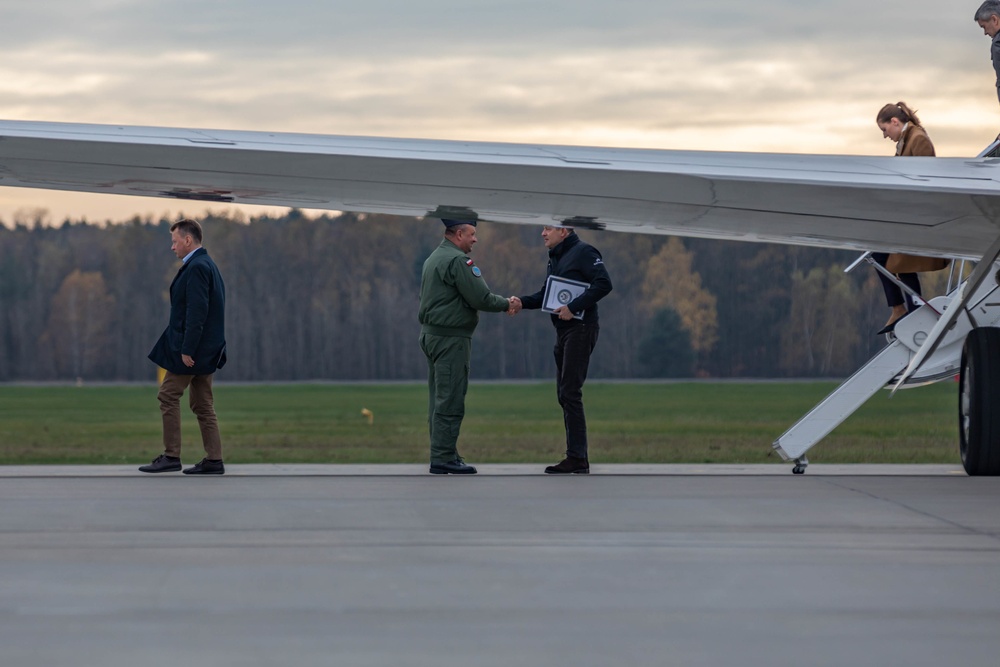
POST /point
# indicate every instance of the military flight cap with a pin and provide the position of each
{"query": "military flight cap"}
(455, 223)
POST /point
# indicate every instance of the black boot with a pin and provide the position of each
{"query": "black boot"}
(570, 466)
(456, 467)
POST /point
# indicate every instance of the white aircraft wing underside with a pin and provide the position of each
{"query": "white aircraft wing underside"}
(939, 206)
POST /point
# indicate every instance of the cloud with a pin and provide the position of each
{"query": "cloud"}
(775, 75)
(443, 27)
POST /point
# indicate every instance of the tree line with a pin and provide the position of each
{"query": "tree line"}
(335, 297)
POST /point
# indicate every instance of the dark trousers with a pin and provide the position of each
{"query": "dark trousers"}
(574, 345)
(202, 405)
(448, 359)
(893, 295)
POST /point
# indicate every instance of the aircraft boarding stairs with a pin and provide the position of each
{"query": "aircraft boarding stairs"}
(889, 364)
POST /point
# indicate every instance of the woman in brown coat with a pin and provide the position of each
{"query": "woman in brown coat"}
(900, 124)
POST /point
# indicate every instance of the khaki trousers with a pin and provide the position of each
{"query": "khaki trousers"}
(202, 406)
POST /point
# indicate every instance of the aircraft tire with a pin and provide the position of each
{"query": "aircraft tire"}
(978, 397)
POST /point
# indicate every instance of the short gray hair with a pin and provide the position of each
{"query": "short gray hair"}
(986, 10)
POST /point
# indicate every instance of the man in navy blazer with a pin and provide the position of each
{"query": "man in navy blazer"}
(190, 350)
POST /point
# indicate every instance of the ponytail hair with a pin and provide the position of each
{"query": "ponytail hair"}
(898, 110)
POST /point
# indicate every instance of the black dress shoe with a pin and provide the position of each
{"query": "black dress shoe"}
(889, 328)
(162, 463)
(456, 467)
(569, 466)
(206, 467)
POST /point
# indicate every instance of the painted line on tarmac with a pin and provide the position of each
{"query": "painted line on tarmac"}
(495, 469)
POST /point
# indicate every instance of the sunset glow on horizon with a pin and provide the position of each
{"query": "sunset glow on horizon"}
(774, 77)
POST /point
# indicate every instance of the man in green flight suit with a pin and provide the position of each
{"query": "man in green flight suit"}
(452, 292)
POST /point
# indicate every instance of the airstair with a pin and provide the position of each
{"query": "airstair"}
(889, 364)
(841, 404)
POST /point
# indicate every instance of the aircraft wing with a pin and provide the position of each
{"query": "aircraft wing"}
(937, 206)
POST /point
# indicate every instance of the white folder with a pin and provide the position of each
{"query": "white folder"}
(561, 291)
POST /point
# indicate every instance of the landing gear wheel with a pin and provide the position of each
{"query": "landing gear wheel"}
(800, 466)
(978, 396)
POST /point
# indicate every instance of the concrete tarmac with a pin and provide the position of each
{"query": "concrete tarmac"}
(372, 565)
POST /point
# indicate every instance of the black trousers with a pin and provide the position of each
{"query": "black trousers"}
(574, 345)
(893, 295)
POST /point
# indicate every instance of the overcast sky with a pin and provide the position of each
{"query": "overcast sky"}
(772, 75)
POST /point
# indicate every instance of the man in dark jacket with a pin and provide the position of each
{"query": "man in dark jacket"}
(576, 334)
(190, 350)
(988, 18)
(452, 292)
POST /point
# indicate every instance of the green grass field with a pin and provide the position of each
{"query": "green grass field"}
(505, 423)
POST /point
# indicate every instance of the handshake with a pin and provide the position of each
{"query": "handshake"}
(514, 307)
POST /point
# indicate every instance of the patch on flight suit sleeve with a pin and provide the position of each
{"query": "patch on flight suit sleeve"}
(475, 269)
